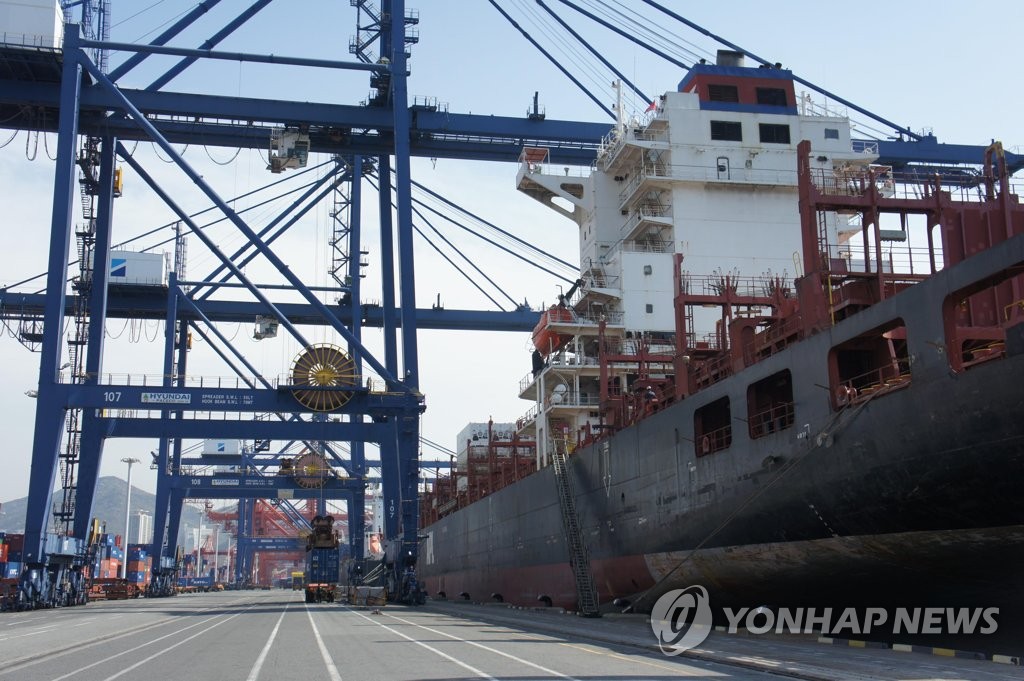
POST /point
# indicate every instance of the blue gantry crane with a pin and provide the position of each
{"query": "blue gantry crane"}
(325, 397)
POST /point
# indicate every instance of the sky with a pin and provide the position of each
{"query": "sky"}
(917, 63)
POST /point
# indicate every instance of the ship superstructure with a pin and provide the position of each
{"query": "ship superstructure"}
(708, 175)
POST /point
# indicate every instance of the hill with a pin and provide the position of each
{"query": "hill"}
(108, 507)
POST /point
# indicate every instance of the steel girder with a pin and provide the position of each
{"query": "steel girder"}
(392, 420)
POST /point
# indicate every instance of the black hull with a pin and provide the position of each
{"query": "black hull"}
(911, 498)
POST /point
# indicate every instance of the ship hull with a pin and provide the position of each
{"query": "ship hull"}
(909, 498)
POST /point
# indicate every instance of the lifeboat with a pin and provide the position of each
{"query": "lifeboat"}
(546, 339)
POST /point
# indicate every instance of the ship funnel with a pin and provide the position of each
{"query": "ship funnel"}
(729, 58)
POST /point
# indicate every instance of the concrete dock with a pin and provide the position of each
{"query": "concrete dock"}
(274, 635)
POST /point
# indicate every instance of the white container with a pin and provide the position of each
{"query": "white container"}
(38, 23)
(140, 269)
(221, 448)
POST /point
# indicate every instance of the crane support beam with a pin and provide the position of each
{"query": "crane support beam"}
(151, 303)
(148, 428)
(234, 486)
(335, 128)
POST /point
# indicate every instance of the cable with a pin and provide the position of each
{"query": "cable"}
(35, 149)
(141, 11)
(9, 139)
(551, 59)
(501, 231)
(228, 162)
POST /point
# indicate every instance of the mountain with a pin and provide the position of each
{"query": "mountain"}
(108, 506)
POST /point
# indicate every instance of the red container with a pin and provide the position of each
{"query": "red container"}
(15, 542)
(3, 553)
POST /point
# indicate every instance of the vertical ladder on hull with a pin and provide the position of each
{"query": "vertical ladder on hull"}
(579, 555)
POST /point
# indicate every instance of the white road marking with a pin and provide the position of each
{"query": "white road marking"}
(255, 671)
(488, 648)
(33, 619)
(462, 664)
(170, 648)
(31, 633)
(138, 647)
(75, 648)
(331, 669)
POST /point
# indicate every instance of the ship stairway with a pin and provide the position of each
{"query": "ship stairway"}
(579, 555)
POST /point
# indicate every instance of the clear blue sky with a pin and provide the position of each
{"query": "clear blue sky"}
(922, 64)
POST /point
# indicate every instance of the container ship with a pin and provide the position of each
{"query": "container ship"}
(786, 373)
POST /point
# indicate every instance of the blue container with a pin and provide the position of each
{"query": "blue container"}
(12, 570)
(14, 556)
(137, 577)
(323, 566)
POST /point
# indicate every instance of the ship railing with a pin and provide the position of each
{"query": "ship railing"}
(646, 213)
(867, 147)
(561, 359)
(853, 180)
(893, 375)
(37, 40)
(777, 334)
(714, 441)
(648, 246)
(704, 342)
(965, 186)
(612, 318)
(529, 418)
(712, 173)
(571, 399)
(633, 346)
(896, 259)
(748, 287)
(713, 371)
(592, 280)
(571, 360)
(778, 418)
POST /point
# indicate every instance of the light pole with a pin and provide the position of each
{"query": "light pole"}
(216, 553)
(127, 516)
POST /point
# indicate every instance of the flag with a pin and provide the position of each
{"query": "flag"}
(652, 107)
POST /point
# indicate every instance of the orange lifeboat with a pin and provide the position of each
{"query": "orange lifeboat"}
(546, 339)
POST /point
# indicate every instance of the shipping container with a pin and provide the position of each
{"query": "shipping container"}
(35, 23)
(12, 570)
(323, 566)
(221, 448)
(136, 269)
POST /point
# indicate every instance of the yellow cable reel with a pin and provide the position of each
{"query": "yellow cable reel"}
(323, 366)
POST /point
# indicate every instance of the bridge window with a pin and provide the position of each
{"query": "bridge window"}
(727, 130)
(774, 134)
(831, 133)
(723, 93)
(771, 96)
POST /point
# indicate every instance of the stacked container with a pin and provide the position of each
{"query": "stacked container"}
(11, 548)
(138, 564)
